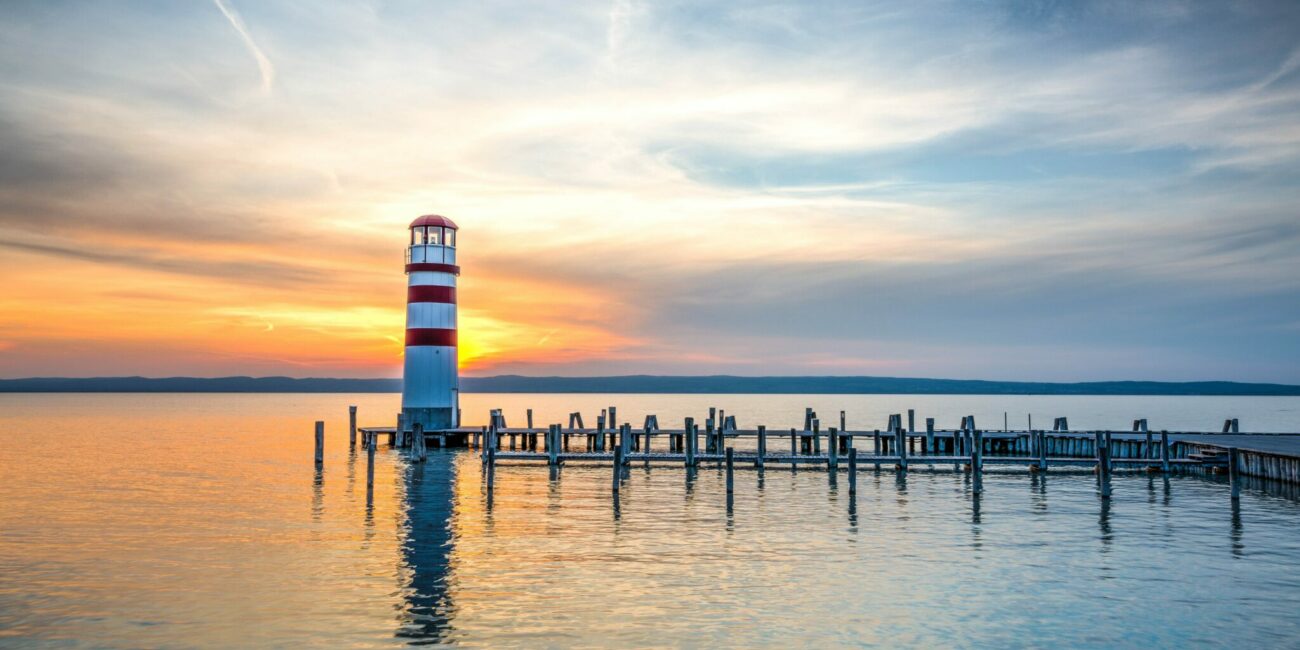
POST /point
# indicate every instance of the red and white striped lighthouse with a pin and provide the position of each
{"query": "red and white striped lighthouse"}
(430, 381)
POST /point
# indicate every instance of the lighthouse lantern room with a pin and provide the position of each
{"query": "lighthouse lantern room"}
(430, 381)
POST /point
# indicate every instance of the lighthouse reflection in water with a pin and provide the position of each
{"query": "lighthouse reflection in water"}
(426, 549)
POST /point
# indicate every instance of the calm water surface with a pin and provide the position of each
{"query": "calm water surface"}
(200, 521)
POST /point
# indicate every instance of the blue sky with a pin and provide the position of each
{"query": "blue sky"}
(1047, 191)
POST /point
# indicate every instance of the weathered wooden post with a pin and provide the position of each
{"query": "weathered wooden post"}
(853, 471)
(911, 421)
(977, 462)
(626, 442)
(731, 479)
(320, 442)
(1042, 452)
(552, 445)
(370, 461)
(530, 419)
(1103, 466)
(1164, 451)
(929, 435)
(817, 437)
(491, 462)
(417, 442)
(794, 440)
(399, 433)
(352, 427)
(900, 438)
(686, 433)
(618, 466)
(832, 448)
(1096, 447)
(691, 433)
(1234, 457)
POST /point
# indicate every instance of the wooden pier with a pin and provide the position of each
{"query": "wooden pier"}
(900, 447)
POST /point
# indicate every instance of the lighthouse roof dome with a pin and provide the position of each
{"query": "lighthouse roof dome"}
(434, 220)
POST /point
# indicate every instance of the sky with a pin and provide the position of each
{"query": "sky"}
(1018, 191)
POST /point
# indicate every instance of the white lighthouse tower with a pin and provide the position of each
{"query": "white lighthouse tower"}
(430, 381)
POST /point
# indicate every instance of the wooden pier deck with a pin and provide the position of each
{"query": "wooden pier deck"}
(1273, 456)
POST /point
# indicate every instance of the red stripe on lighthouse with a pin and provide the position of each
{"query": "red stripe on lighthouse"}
(431, 293)
(430, 336)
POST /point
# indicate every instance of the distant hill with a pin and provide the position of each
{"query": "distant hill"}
(642, 384)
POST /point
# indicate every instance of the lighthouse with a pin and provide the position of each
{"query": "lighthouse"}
(430, 381)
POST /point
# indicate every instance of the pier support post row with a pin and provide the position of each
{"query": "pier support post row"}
(320, 442)
(352, 427)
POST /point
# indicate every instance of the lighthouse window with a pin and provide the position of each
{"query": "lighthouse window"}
(450, 238)
(416, 234)
(433, 235)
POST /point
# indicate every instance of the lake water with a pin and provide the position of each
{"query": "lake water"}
(200, 521)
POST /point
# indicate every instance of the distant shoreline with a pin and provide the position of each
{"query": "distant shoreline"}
(716, 384)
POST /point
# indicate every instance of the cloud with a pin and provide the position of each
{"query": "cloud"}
(264, 67)
(685, 187)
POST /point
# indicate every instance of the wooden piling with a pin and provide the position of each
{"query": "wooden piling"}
(320, 442)
(491, 463)
(731, 470)
(352, 427)
(618, 466)
(417, 442)
(1164, 451)
(553, 445)
(977, 463)
(1234, 457)
(911, 421)
(794, 440)
(929, 435)
(1042, 452)
(1103, 466)
(530, 419)
(762, 446)
(817, 436)
(832, 448)
(690, 440)
(370, 461)
(853, 471)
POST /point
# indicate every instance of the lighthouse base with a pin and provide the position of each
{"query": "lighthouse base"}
(432, 419)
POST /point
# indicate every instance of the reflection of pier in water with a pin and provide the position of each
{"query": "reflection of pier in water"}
(426, 550)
